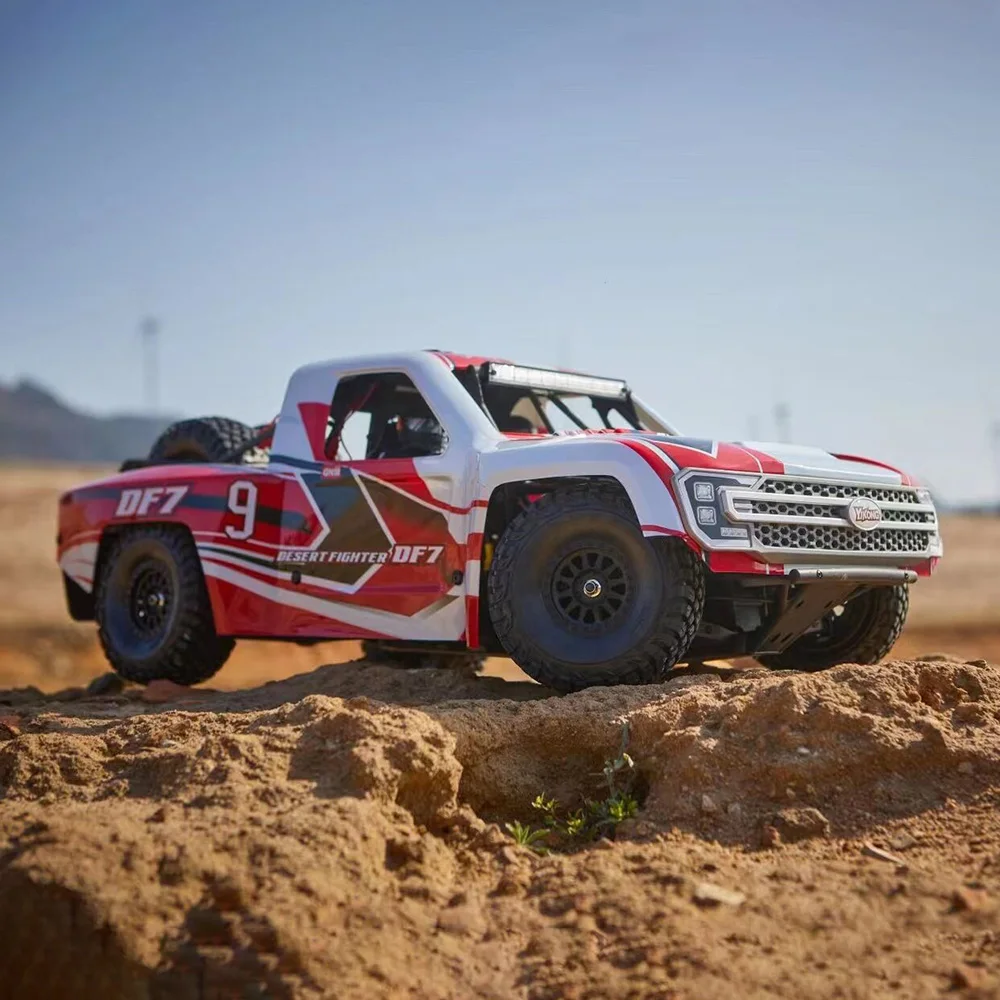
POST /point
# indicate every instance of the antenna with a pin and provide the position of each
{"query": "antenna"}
(782, 419)
(149, 330)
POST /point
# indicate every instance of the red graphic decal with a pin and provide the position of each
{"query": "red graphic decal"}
(314, 420)
(768, 464)
(742, 562)
(906, 480)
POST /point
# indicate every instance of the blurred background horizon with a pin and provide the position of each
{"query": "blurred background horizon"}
(775, 221)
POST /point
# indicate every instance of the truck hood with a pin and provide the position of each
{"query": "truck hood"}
(767, 457)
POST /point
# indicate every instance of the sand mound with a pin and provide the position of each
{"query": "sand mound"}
(864, 742)
(301, 839)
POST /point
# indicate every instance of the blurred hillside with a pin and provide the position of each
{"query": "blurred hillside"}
(34, 424)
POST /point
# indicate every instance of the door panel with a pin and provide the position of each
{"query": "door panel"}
(377, 557)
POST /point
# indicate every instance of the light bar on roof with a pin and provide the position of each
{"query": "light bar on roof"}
(541, 378)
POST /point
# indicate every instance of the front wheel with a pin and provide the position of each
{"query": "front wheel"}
(579, 598)
(861, 631)
(153, 614)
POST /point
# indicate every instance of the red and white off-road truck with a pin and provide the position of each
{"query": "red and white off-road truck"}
(438, 505)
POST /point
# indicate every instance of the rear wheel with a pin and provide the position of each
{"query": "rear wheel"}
(578, 597)
(152, 608)
(863, 631)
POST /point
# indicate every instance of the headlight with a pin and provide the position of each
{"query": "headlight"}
(924, 496)
(702, 495)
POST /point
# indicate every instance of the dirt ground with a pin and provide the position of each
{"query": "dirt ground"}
(339, 830)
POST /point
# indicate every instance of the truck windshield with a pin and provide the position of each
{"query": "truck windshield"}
(524, 400)
(536, 411)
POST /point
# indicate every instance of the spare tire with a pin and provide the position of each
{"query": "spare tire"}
(203, 439)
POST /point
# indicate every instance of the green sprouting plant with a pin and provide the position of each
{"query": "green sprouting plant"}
(524, 835)
(598, 817)
(547, 807)
(620, 765)
(575, 824)
(609, 812)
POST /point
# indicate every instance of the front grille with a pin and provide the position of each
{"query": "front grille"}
(804, 516)
(811, 488)
(839, 539)
(829, 511)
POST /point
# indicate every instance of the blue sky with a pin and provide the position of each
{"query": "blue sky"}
(728, 204)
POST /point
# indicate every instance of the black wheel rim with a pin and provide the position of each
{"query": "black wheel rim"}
(150, 599)
(564, 622)
(141, 600)
(590, 588)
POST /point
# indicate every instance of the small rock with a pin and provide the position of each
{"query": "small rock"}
(969, 977)
(970, 899)
(708, 804)
(10, 726)
(770, 837)
(801, 824)
(734, 809)
(706, 894)
(805, 751)
(106, 684)
(966, 767)
(902, 841)
(508, 855)
(160, 816)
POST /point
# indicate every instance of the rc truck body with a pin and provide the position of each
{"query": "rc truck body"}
(451, 507)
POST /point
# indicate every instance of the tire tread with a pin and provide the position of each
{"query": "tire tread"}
(196, 652)
(679, 616)
(218, 438)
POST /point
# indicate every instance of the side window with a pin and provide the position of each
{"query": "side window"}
(382, 415)
(354, 437)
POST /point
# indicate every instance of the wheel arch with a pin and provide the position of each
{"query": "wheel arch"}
(113, 532)
(505, 501)
(659, 618)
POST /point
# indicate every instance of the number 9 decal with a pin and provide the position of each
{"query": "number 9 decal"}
(242, 501)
